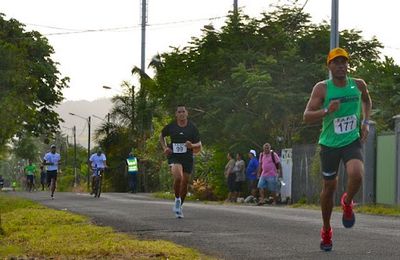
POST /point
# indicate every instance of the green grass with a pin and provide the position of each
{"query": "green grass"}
(32, 230)
(170, 196)
(371, 209)
(378, 209)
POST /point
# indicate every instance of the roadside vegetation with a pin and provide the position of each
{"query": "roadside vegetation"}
(371, 209)
(31, 230)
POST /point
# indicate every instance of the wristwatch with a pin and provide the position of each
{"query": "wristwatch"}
(326, 111)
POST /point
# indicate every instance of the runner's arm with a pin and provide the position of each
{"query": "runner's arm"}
(365, 98)
(163, 142)
(366, 108)
(164, 145)
(46, 163)
(190, 145)
(314, 112)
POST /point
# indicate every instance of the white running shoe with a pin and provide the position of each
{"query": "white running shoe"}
(177, 206)
(179, 214)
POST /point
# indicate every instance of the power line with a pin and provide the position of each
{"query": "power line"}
(83, 130)
(119, 29)
(51, 27)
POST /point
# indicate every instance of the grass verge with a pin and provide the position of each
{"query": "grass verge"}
(31, 230)
(371, 209)
(170, 196)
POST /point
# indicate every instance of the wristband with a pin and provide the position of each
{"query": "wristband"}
(365, 122)
(326, 111)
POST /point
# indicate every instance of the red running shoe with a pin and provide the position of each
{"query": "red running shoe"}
(348, 218)
(326, 239)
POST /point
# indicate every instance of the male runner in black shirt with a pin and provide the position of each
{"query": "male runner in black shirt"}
(185, 139)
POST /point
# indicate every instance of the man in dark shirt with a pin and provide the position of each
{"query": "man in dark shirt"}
(185, 140)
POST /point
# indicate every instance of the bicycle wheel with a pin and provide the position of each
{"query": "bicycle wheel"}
(95, 185)
(98, 184)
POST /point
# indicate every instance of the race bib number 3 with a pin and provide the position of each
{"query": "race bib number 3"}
(179, 148)
(345, 124)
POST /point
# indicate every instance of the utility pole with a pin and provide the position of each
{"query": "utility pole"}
(88, 153)
(144, 23)
(235, 7)
(142, 68)
(75, 178)
(335, 25)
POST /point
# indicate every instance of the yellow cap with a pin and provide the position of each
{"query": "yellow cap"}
(336, 52)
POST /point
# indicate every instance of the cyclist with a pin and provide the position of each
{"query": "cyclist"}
(97, 162)
(52, 160)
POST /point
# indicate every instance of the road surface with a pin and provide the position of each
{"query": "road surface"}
(235, 231)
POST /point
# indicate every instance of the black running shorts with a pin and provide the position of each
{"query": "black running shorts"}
(187, 163)
(51, 175)
(331, 157)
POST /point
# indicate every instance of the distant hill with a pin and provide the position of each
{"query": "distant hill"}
(83, 108)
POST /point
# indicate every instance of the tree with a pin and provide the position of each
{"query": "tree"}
(383, 78)
(249, 83)
(30, 82)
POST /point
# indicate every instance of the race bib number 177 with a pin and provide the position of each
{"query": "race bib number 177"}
(345, 124)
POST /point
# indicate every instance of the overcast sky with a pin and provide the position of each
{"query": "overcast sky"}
(94, 59)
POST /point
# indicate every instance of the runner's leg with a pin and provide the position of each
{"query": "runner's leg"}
(184, 186)
(328, 189)
(177, 173)
(355, 171)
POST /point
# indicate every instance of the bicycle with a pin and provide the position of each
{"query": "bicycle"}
(97, 181)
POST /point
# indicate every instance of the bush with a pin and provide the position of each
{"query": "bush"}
(209, 168)
(65, 181)
(202, 190)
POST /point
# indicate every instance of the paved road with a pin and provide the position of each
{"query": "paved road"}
(235, 232)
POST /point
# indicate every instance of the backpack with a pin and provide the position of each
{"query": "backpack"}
(277, 165)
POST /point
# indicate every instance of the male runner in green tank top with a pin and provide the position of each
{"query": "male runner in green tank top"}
(344, 105)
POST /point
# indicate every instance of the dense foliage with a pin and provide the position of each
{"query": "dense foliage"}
(249, 82)
(30, 83)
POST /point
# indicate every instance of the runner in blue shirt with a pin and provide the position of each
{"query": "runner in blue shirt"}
(251, 173)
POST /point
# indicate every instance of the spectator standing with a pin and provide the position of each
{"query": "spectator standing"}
(269, 171)
(251, 173)
(230, 176)
(133, 170)
(240, 175)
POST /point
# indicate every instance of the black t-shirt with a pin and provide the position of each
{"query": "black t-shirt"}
(179, 135)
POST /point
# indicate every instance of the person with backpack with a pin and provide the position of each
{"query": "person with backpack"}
(269, 170)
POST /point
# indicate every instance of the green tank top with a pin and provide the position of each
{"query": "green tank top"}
(341, 127)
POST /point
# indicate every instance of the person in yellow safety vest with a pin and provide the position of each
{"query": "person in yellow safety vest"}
(133, 170)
